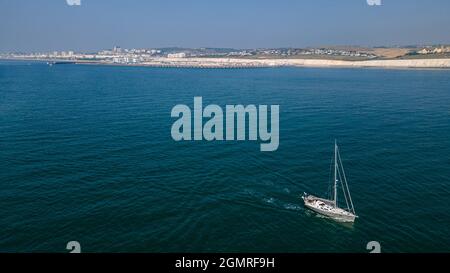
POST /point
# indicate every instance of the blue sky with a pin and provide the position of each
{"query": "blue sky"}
(45, 25)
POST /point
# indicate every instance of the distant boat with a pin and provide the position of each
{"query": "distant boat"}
(330, 207)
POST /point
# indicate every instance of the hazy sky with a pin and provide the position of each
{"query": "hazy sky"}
(44, 25)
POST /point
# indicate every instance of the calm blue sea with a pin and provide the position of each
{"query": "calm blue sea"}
(86, 154)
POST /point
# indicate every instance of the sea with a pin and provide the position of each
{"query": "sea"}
(86, 155)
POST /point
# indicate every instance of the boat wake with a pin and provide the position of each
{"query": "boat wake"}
(282, 205)
(290, 206)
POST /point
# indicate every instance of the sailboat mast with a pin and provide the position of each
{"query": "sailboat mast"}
(335, 173)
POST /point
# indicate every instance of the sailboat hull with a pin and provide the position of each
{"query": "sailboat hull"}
(326, 207)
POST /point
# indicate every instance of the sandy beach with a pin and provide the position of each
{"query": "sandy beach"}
(244, 63)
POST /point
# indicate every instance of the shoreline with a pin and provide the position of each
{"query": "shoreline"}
(162, 62)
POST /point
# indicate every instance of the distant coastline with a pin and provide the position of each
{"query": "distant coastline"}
(419, 57)
(193, 62)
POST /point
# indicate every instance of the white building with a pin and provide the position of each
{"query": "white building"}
(177, 55)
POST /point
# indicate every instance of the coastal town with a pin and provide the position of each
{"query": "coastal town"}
(130, 56)
(418, 56)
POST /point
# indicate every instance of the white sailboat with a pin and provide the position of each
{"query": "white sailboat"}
(330, 207)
